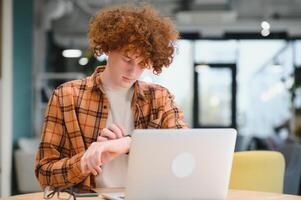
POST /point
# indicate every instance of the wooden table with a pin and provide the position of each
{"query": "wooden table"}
(232, 195)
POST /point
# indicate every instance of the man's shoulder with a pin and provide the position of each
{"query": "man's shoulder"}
(145, 86)
(153, 89)
(74, 86)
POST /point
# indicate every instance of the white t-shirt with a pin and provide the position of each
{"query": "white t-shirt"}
(114, 173)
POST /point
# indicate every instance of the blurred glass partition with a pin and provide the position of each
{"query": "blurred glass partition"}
(296, 90)
(215, 106)
(297, 53)
(215, 95)
(215, 83)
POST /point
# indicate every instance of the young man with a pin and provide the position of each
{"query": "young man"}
(85, 137)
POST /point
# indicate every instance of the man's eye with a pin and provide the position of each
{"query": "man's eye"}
(127, 59)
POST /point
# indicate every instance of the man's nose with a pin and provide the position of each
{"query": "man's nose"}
(133, 68)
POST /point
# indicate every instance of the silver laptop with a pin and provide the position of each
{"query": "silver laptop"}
(179, 164)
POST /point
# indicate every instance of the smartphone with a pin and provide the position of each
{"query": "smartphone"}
(84, 193)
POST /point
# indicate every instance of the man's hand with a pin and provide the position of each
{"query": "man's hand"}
(100, 153)
(113, 132)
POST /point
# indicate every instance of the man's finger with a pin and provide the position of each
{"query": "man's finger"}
(91, 167)
(101, 139)
(98, 169)
(124, 133)
(108, 134)
(115, 129)
(96, 164)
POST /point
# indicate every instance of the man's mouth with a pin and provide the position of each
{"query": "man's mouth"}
(127, 79)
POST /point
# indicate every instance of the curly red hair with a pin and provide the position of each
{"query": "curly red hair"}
(138, 29)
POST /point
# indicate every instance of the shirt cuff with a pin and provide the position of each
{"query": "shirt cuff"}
(76, 174)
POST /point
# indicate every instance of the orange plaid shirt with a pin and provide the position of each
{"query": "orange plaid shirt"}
(76, 113)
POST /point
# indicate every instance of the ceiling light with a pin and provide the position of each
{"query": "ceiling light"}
(265, 25)
(72, 53)
(265, 32)
(83, 61)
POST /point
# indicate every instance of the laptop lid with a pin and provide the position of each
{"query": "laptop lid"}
(180, 163)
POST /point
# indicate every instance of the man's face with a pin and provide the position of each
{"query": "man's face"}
(123, 69)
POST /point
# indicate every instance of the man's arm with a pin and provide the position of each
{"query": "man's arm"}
(100, 153)
(54, 166)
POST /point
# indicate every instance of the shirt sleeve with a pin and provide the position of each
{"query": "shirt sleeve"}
(172, 116)
(54, 164)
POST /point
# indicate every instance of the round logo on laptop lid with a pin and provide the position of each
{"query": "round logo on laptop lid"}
(183, 165)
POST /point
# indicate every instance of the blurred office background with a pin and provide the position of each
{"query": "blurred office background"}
(238, 64)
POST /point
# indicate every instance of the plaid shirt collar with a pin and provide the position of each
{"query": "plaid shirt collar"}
(95, 83)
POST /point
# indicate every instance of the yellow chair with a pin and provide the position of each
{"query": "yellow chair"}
(258, 171)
